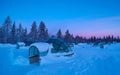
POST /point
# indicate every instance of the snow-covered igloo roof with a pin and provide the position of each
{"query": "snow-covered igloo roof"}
(42, 47)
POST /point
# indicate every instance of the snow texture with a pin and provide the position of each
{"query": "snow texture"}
(87, 60)
(21, 43)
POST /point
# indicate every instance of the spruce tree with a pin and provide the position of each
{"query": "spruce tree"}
(46, 34)
(59, 34)
(20, 33)
(77, 39)
(13, 34)
(7, 29)
(42, 32)
(24, 37)
(33, 32)
(67, 37)
(1, 34)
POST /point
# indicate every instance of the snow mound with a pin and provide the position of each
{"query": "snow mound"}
(20, 60)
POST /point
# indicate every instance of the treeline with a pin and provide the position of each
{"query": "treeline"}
(10, 33)
(93, 39)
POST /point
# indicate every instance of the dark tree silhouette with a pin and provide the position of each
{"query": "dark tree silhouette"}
(42, 32)
(59, 34)
(67, 37)
(24, 37)
(19, 33)
(13, 34)
(33, 32)
(6, 29)
(1, 35)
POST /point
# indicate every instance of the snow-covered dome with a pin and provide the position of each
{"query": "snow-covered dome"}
(39, 48)
(42, 47)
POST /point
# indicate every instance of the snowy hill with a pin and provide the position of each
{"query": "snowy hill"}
(87, 60)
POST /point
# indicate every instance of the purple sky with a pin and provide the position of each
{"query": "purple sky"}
(81, 17)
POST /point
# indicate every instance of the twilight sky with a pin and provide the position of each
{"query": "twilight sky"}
(82, 17)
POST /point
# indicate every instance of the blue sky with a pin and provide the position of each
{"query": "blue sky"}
(82, 17)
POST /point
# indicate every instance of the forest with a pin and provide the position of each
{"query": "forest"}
(10, 33)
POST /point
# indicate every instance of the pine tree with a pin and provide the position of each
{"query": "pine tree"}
(118, 39)
(72, 39)
(46, 34)
(77, 39)
(93, 39)
(7, 29)
(33, 32)
(59, 34)
(24, 37)
(1, 35)
(19, 33)
(67, 37)
(13, 34)
(42, 32)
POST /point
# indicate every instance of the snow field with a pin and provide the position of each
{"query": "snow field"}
(87, 60)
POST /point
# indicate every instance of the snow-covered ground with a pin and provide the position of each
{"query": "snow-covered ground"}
(87, 60)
